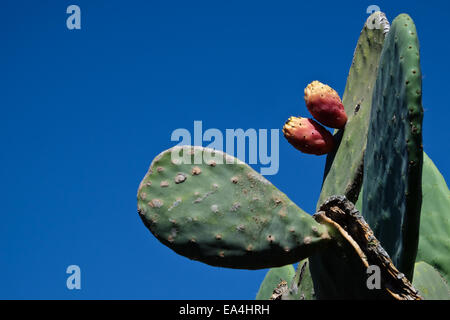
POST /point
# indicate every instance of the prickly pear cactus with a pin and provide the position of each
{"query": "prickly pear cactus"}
(223, 213)
(393, 158)
(211, 207)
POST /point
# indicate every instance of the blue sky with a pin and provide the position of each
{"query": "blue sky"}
(85, 111)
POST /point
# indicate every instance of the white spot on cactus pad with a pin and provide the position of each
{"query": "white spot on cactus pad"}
(254, 176)
(156, 203)
(215, 208)
(164, 184)
(179, 178)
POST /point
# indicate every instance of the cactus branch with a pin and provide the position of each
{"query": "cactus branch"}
(340, 214)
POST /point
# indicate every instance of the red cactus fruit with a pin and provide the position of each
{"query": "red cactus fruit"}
(325, 106)
(308, 136)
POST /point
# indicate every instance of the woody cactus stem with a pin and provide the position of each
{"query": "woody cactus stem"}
(348, 224)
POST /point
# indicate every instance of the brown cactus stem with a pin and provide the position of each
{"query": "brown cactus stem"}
(347, 224)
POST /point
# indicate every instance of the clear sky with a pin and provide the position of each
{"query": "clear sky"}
(83, 113)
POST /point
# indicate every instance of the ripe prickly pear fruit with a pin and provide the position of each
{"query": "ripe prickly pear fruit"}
(308, 136)
(325, 106)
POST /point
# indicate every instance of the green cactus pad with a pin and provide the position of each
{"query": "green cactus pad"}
(393, 159)
(222, 212)
(430, 283)
(302, 287)
(273, 277)
(434, 241)
(343, 169)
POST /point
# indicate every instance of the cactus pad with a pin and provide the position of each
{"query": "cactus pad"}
(273, 277)
(343, 169)
(434, 241)
(282, 284)
(430, 283)
(302, 287)
(223, 213)
(393, 159)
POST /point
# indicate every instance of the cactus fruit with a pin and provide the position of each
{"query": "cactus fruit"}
(308, 136)
(325, 105)
(393, 159)
(223, 213)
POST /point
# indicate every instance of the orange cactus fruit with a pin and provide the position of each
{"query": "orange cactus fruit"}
(325, 105)
(308, 136)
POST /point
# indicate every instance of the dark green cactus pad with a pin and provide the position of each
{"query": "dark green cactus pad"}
(273, 277)
(223, 213)
(434, 240)
(343, 169)
(430, 283)
(393, 159)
